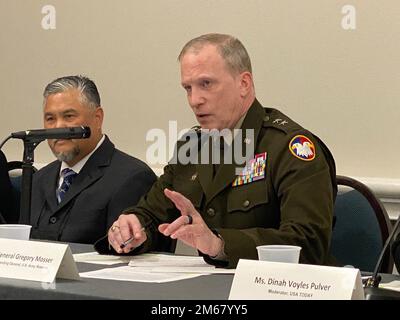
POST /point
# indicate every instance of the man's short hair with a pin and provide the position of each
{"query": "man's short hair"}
(230, 48)
(87, 88)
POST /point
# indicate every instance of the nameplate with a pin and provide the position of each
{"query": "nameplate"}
(37, 261)
(262, 280)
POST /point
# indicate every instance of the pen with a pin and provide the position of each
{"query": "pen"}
(124, 244)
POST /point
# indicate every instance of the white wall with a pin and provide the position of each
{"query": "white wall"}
(341, 84)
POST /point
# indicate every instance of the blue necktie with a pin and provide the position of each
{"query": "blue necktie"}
(69, 175)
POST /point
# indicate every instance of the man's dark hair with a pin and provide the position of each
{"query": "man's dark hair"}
(89, 94)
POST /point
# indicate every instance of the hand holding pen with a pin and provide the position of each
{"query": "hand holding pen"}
(124, 244)
(126, 233)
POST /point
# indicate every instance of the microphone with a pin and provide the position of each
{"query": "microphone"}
(371, 288)
(38, 135)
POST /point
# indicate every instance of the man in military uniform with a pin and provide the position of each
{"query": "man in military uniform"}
(285, 194)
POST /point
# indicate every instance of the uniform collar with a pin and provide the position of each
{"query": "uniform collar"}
(229, 137)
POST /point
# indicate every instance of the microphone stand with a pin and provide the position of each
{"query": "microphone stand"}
(372, 290)
(27, 172)
(31, 140)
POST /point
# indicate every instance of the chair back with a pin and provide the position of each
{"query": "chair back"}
(15, 173)
(7, 201)
(361, 228)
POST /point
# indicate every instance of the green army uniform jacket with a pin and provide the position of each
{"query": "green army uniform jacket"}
(292, 204)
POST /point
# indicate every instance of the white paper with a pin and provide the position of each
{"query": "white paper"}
(167, 260)
(202, 270)
(394, 285)
(105, 259)
(167, 263)
(125, 273)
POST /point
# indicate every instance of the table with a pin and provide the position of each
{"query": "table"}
(207, 287)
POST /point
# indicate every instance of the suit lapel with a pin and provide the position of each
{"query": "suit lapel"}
(80, 183)
(90, 173)
(227, 172)
(49, 191)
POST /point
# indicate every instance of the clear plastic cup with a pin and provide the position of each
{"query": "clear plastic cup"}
(279, 253)
(15, 231)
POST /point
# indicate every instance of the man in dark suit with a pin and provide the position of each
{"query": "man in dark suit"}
(77, 197)
(8, 209)
(284, 194)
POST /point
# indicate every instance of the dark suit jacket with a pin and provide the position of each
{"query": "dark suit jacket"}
(8, 209)
(109, 182)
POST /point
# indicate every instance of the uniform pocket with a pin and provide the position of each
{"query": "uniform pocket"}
(188, 185)
(248, 196)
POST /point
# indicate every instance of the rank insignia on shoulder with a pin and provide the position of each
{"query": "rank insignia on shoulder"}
(280, 122)
(253, 171)
(302, 148)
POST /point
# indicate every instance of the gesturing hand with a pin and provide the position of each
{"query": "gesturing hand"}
(190, 227)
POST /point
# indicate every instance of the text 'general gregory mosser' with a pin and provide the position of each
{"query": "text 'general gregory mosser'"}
(25, 258)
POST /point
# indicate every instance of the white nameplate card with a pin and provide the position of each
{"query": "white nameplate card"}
(263, 280)
(37, 261)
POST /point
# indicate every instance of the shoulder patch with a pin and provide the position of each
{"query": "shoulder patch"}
(302, 148)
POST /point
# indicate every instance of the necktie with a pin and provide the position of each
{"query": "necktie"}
(69, 175)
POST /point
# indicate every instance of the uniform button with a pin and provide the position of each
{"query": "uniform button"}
(246, 203)
(211, 212)
(266, 118)
(53, 220)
